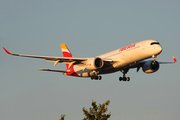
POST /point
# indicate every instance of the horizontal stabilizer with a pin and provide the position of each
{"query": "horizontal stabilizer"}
(64, 71)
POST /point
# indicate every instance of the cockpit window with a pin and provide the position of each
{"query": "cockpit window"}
(154, 43)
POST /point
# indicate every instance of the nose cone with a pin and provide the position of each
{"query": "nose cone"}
(159, 49)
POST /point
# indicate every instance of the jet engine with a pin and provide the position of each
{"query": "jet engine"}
(94, 63)
(150, 66)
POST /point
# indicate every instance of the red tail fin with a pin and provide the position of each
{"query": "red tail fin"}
(66, 52)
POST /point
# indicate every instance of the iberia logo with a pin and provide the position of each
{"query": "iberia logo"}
(127, 47)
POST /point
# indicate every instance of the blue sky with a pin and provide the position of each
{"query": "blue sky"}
(89, 28)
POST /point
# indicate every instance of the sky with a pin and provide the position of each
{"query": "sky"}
(89, 28)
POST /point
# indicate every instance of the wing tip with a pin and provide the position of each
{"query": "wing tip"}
(6, 50)
(175, 60)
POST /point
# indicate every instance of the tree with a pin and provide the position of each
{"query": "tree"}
(97, 112)
(62, 117)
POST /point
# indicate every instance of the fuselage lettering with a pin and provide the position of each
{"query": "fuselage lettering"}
(127, 47)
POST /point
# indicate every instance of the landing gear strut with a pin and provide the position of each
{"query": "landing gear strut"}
(124, 78)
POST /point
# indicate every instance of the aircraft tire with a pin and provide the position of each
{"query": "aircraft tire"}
(96, 77)
(128, 78)
(124, 78)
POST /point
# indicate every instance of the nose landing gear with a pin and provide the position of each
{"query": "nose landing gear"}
(124, 78)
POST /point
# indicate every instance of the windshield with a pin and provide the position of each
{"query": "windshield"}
(154, 43)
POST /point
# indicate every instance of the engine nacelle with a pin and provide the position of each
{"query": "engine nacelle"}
(150, 66)
(94, 63)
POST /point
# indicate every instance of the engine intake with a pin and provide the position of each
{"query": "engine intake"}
(150, 66)
(94, 63)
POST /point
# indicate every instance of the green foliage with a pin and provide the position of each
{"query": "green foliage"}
(97, 112)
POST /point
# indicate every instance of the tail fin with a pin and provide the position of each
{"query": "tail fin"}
(65, 52)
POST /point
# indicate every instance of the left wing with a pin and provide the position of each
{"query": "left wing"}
(52, 58)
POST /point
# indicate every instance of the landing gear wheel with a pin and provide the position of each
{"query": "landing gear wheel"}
(96, 77)
(120, 78)
(124, 78)
(99, 77)
(128, 78)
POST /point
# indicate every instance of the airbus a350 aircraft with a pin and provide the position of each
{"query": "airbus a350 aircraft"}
(122, 59)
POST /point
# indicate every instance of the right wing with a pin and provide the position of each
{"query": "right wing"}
(54, 59)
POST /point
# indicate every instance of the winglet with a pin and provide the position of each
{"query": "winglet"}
(6, 50)
(174, 59)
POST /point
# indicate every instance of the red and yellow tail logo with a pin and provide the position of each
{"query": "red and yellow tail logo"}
(65, 52)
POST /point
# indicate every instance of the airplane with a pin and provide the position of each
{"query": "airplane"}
(123, 59)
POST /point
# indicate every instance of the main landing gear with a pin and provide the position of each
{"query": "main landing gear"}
(124, 78)
(96, 77)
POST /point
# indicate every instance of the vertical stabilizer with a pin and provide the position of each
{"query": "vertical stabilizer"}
(65, 52)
